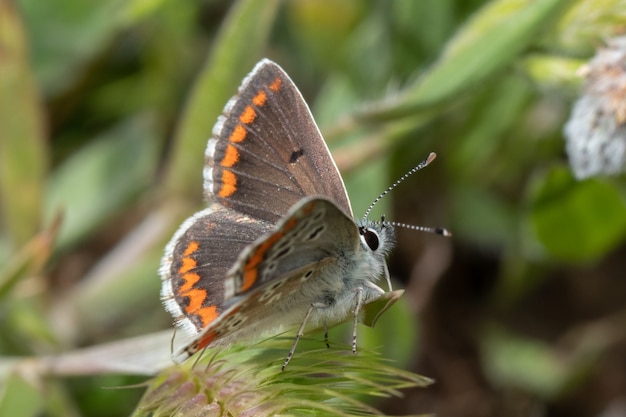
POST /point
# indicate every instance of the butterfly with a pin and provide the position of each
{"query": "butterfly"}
(277, 247)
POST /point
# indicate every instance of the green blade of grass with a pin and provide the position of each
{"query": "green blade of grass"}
(20, 397)
(23, 152)
(101, 178)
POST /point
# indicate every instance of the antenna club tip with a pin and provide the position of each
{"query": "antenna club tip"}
(443, 232)
(431, 157)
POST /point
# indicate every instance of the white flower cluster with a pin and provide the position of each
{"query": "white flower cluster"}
(596, 131)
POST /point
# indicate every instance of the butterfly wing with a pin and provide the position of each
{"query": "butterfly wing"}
(267, 152)
(196, 261)
(314, 230)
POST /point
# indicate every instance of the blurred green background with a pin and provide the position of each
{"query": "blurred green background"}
(105, 110)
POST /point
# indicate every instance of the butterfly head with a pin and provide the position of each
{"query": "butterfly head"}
(377, 237)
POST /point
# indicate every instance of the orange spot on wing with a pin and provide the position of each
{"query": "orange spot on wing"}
(275, 86)
(238, 135)
(259, 99)
(250, 270)
(207, 338)
(187, 265)
(290, 224)
(229, 184)
(249, 278)
(191, 248)
(196, 296)
(190, 279)
(248, 115)
(231, 156)
(202, 342)
(207, 314)
(309, 207)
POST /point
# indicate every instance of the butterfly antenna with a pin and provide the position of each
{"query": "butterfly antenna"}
(436, 230)
(431, 157)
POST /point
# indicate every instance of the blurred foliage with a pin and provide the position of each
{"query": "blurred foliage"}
(105, 109)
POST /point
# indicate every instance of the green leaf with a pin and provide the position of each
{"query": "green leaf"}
(587, 24)
(553, 72)
(242, 36)
(122, 285)
(490, 41)
(20, 397)
(23, 152)
(81, 29)
(532, 365)
(101, 178)
(577, 221)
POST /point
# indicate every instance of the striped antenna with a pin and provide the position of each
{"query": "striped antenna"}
(436, 230)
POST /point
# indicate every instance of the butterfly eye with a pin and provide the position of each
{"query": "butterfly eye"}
(370, 237)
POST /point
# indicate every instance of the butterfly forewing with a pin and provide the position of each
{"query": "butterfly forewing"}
(315, 230)
(267, 152)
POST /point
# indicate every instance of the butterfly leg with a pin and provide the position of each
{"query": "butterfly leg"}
(387, 276)
(301, 332)
(357, 308)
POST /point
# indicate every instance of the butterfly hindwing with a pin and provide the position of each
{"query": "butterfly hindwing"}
(197, 260)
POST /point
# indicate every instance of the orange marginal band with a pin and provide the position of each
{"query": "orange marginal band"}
(196, 296)
(231, 155)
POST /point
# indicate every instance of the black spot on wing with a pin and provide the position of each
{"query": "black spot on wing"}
(295, 155)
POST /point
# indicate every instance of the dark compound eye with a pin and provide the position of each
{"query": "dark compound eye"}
(371, 238)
